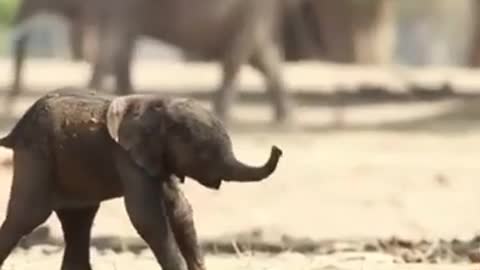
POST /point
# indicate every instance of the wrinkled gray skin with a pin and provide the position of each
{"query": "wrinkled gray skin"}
(234, 32)
(73, 149)
(178, 136)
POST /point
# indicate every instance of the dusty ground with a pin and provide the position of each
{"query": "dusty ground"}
(405, 170)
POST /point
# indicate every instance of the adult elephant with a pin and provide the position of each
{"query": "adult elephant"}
(361, 32)
(234, 32)
(75, 13)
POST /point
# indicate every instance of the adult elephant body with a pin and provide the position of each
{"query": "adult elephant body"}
(234, 32)
(76, 14)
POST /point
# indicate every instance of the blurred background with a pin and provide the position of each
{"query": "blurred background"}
(431, 32)
(384, 146)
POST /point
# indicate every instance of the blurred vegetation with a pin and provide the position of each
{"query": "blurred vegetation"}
(7, 11)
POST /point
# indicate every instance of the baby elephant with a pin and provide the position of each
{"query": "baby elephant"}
(73, 149)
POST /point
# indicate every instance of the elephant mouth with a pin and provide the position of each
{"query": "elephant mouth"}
(213, 185)
(210, 184)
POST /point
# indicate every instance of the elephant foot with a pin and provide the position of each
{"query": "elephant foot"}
(283, 114)
(94, 86)
(287, 124)
(284, 120)
(124, 91)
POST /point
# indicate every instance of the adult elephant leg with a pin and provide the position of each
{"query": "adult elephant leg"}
(76, 226)
(116, 46)
(224, 95)
(29, 204)
(268, 60)
(145, 204)
(122, 66)
(180, 216)
(98, 71)
(101, 64)
(21, 28)
(76, 36)
(20, 45)
(19, 51)
(238, 54)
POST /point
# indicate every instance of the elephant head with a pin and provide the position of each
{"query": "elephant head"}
(168, 136)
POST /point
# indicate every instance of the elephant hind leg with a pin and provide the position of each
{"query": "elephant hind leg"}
(267, 59)
(76, 226)
(29, 204)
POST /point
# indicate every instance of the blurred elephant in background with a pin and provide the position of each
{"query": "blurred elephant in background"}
(233, 32)
(76, 14)
(346, 31)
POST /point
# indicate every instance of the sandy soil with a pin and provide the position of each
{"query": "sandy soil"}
(41, 258)
(393, 170)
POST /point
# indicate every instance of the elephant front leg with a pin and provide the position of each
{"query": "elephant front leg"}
(122, 66)
(267, 60)
(20, 46)
(225, 94)
(76, 226)
(76, 38)
(97, 73)
(236, 55)
(116, 45)
(101, 65)
(144, 202)
(180, 215)
(19, 51)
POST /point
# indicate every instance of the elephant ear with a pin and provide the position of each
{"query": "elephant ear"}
(127, 126)
(115, 113)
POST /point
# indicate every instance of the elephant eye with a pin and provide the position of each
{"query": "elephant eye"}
(135, 114)
(134, 111)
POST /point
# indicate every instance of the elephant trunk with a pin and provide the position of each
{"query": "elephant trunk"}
(240, 172)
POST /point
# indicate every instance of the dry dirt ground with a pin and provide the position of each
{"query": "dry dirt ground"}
(404, 170)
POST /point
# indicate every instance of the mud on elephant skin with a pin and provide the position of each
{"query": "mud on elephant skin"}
(73, 149)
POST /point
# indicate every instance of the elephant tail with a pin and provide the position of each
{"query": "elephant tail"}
(24, 125)
(7, 141)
